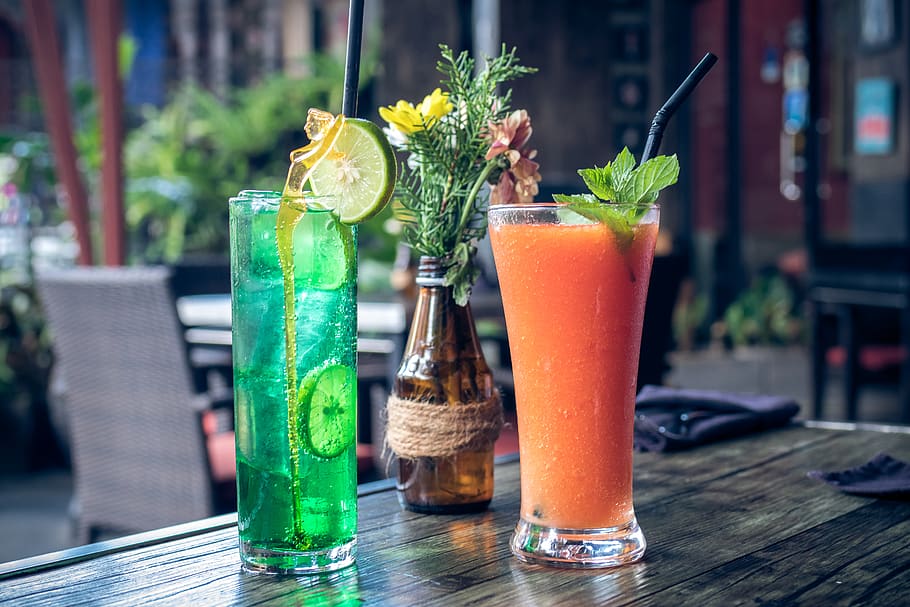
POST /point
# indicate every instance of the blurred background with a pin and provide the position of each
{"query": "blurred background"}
(783, 262)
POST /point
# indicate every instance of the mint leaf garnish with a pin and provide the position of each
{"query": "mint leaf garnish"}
(608, 215)
(599, 181)
(652, 176)
(623, 175)
(621, 181)
(590, 198)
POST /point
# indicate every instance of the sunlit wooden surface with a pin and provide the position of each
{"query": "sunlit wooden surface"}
(733, 523)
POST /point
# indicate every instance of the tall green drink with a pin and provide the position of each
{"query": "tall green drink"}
(294, 384)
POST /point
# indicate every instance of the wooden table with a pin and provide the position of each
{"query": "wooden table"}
(732, 523)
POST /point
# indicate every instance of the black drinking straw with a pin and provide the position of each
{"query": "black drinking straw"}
(656, 132)
(352, 59)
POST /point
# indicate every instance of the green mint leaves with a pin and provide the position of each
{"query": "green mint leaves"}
(622, 181)
(599, 181)
(576, 198)
(618, 220)
(654, 175)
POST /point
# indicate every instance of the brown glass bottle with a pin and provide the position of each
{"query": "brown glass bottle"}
(443, 364)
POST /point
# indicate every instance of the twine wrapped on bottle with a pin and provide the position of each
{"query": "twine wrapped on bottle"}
(425, 429)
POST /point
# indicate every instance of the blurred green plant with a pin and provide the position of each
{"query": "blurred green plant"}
(764, 314)
(689, 319)
(184, 160)
(26, 358)
(25, 349)
(32, 173)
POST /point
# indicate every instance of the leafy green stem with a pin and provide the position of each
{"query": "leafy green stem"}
(468, 209)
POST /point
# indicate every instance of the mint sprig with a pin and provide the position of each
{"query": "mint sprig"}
(591, 208)
(652, 176)
(599, 181)
(621, 182)
(576, 198)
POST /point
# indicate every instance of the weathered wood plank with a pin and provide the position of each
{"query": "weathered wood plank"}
(733, 509)
(829, 564)
(733, 523)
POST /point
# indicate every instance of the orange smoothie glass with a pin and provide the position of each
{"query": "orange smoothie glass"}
(573, 291)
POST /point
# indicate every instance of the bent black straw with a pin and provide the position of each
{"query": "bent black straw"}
(656, 132)
(352, 59)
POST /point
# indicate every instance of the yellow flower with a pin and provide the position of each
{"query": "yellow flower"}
(408, 119)
(403, 116)
(435, 105)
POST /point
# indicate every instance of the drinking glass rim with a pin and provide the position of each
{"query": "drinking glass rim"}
(272, 199)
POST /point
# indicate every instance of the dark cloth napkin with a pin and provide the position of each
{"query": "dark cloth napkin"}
(882, 476)
(672, 419)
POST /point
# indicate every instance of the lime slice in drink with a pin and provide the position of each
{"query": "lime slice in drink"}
(328, 405)
(359, 172)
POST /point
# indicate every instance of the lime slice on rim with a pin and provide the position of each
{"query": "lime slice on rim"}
(359, 172)
(328, 406)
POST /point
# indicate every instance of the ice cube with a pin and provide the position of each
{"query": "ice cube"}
(324, 252)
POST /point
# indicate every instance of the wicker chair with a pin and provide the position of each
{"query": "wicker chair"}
(146, 449)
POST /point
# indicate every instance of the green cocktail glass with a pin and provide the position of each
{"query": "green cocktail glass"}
(294, 320)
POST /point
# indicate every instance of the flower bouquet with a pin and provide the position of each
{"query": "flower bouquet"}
(460, 138)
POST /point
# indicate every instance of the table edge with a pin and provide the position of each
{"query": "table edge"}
(86, 552)
(69, 556)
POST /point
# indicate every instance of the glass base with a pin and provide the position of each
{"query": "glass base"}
(578, 548)
(288, 562)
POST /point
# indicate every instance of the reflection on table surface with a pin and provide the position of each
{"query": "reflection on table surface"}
(736, 522)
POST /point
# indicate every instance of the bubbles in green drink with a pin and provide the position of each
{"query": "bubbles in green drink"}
(307, 502)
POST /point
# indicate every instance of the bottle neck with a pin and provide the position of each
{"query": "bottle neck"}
(430, 272)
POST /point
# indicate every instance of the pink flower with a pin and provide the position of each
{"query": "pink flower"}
(512, 133)
(509, 138)
(524, 172)
(504, 191)
(519, 182)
